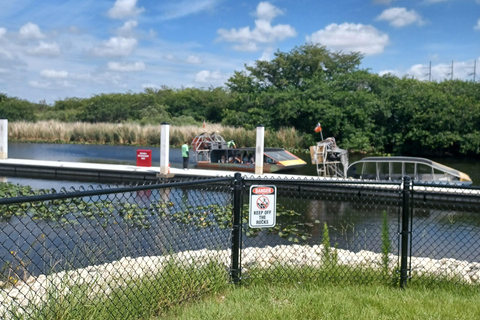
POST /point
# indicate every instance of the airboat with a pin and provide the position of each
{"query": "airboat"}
(332, 161)
(213, 152)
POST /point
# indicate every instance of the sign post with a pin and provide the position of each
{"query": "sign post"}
(263, 206)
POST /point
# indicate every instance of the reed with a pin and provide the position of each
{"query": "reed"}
(144, 135)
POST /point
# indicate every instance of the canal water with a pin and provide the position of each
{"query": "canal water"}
(353, 226)
(127, 155)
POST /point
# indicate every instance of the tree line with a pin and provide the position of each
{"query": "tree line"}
(310, 84)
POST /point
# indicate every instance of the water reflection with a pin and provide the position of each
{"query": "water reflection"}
(100, 229)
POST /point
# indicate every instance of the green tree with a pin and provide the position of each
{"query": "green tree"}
(115, 107)
(293, 89)
(15, 109)
(3, 96)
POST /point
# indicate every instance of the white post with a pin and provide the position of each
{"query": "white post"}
(259, 150)
(3, 139)
(164, 148)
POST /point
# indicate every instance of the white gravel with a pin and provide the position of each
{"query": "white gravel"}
(102, 279)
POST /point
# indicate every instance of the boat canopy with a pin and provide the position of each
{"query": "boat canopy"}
(331, 161)
(395, 168)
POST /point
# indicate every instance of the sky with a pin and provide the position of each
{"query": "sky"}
(54, 49)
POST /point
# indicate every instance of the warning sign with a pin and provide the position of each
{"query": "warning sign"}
(263, 204)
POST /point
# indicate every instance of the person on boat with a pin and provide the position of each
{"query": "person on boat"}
(185, 155)
(238, 159)
(230, 159)
(223, 159)
(245, 158)
(269, 160)
(252, 159)
(231, 144)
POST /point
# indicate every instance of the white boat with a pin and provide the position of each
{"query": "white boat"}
(332, 161)
(394, 168)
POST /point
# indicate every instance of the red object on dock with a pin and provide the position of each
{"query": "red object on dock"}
(144, 158)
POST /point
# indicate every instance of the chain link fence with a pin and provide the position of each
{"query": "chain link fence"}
(154, 245)
(333, 231)
(125, 243)
(445, 234)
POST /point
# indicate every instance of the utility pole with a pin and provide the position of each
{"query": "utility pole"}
(474, 73)
(429, 74)
(474, 70)
(451, 74)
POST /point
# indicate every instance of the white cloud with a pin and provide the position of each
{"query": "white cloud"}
(124, 8)
(49, 73)
(400, 17)
(384, 72)
(264, 32)
(11, 61)
(126, 67)
(127, 29)
(247, 47)
(3, 32)
(194, 59)
(31, 31)
(108, 78)
(150, 86)
(267, 12)
(477, 27)
(45, 49)
(41, 85)
(385, 2)
(351, 37)
(116, 46)
(435, 1)
(5, 55)
(206, 76)
(178, 9)
(266, 56)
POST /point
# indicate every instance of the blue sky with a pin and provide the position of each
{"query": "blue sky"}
(53, 49)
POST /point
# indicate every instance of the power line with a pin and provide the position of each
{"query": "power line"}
(429, 74)
(474, 70)
(449, 72)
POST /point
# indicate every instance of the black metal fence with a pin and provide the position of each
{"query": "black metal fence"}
(103, 242)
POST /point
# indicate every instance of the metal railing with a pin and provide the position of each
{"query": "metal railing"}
(107, 240)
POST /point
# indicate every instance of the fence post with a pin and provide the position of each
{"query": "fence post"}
(235, 270)
(405, 232)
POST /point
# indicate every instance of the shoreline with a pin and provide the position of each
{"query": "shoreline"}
(102, 279)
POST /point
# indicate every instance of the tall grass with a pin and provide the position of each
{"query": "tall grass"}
(136, 299)
(144, 135)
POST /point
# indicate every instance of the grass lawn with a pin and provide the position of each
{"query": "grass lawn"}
(311, 301)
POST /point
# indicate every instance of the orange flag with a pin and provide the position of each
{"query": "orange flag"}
(318, 128)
